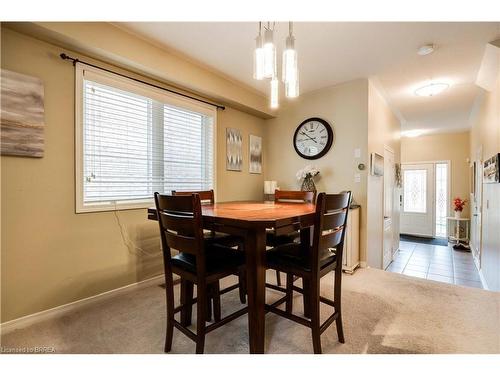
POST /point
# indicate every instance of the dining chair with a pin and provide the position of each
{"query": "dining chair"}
(287, 196)
(208, 197)
(198, 262)
(311, 263)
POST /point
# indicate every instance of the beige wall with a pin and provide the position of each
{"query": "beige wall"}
(345, 108)
(440, 147)
(50, 255)
(485, 133)
(384, 129)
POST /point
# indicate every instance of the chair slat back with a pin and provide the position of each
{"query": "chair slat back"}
(180, 222)
(293, 196)
(206, 196)
(330, 224)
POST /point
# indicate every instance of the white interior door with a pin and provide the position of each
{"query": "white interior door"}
(476, 205)
(417, 213)
(388, 206)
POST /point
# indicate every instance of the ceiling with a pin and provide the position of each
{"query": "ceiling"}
(335, 52)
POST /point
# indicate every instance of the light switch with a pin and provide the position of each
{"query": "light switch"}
(357, 153)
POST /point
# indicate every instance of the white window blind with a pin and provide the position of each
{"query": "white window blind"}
(135, 140)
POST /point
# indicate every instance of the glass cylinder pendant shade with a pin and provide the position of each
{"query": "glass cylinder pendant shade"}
(274, 93)
(292, 88)
(269, 55)
(290, 71)
(258, 59)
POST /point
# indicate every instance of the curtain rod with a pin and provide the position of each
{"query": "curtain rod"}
(75, 60)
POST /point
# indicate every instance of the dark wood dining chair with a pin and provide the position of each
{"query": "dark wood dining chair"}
(311, 263)
(211, 236)
(197, 263)
(288, 196)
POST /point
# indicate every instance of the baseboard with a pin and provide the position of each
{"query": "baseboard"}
(54, 312)
(483, 280)
(362, 264)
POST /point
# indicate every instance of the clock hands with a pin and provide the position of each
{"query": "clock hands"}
(308, 136)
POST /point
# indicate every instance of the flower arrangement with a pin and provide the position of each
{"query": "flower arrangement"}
(307, 174)
(309, 171)
(459, 204)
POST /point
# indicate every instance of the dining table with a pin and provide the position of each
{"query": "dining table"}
(250, 220)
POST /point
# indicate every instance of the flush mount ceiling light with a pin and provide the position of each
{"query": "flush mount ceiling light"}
(412, 133)
(432, 89)
(265, 64)
(426, 49)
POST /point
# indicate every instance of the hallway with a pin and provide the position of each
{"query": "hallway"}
(438, 263)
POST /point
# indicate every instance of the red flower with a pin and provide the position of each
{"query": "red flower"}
(459, 204)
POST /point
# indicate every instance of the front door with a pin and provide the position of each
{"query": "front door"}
(417, 214)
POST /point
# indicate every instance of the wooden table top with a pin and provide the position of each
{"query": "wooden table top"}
(255, 212)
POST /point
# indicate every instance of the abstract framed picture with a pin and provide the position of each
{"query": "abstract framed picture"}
(255, 152)
(22, 115)
(234, 153)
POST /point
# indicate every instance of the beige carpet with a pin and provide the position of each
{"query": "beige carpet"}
(383, 313)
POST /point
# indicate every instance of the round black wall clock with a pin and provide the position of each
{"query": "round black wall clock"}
(313, 138)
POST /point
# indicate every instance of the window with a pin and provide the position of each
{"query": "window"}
(415, 190)
(133, 140)
(441, 198)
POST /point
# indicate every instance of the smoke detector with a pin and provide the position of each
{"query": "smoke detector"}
(426, 49)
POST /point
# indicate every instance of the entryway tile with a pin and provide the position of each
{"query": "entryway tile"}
(474, 284)
(444, 279)
(419, 274)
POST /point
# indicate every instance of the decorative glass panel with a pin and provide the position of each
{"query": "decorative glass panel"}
(441, 199)
(415, 190)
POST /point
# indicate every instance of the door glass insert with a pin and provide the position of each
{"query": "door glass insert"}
(441, 198)
(415, 190)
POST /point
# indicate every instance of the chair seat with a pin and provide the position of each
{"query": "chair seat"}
(273, 240)
(291, 256)
(222, 239)
(218, 259)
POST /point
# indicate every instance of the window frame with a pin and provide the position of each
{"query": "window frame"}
(114, 80)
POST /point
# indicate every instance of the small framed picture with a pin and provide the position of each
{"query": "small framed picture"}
(377, 164)
(255, 153)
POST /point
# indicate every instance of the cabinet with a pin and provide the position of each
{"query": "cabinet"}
(350, 258)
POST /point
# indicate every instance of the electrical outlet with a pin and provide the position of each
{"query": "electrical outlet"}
(357, 177)
(357, 153)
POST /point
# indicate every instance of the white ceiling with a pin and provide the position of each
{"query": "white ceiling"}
(333, 52)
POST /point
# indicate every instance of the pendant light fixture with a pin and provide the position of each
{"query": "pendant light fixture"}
(269, 52)
(289, 57)
(274, 93)
(265, 64)
(258, 56)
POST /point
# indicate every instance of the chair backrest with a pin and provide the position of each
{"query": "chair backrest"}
(293, 196)
(206, 196)
(329, 227)
(181, 226)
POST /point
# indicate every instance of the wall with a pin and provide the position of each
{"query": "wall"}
(437, 147)
(384, 129)
(345, 108)
(485, 132)
(50, 255)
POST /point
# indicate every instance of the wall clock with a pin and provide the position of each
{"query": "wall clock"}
(313, 138)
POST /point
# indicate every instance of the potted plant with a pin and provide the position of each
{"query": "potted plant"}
(458, 204)
(307, 174)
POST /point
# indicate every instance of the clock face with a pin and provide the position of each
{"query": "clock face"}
(313, 138)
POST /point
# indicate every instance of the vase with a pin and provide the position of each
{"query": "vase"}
(308, 184)
(458, 214)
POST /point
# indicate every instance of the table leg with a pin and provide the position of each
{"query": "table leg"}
(255, 248)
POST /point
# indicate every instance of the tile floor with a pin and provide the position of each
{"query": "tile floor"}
(438, 263)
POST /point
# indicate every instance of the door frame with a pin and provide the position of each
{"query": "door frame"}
(434, 162)
(391, 217)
